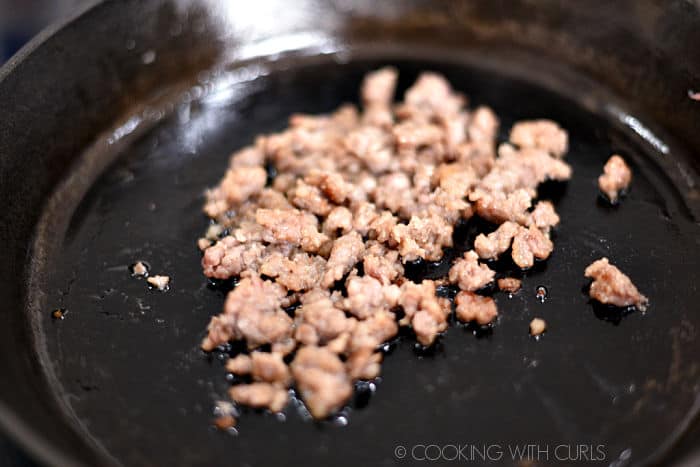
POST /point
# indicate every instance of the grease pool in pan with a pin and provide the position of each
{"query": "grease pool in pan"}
(129, 363)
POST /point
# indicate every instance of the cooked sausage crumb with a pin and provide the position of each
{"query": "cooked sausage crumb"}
(537, 326)
(540, 134)
(469, 275)
(159, 282)
(509, 284)
(139, 268)
(260, 395)
(473, 307)
(612, 287)
(224, 422)
(321, 252)
(615, 179)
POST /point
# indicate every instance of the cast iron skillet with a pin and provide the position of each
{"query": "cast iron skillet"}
(114, 123)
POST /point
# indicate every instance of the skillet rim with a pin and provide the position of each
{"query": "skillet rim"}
(42, 450)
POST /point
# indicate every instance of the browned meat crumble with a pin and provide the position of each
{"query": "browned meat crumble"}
(321, 251)
(537, 326)
(139, 269)
(159, 282)
(509, 284)
(611, 286)
(616, 178)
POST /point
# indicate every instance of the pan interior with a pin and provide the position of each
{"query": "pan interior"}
(128, 365)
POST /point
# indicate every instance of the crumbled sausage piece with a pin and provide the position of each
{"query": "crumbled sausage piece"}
(499, 207)
(247, 232)
(228, 258)
(270, 368)
(378, 87)
(139, 269)
(411, 135)
(338, 220)
(468, 274)
(426, 327)
(432, 95)
(309, 198)
(492, 245)
(159, 282)
(364, 364)
(260, 395)
(422, 237)
(339, 345)
(373, 146)
(284, 346)
(473, 307)
(363, 215)
(331, 184)
(214, 231)
(367, 296)
(252, 311)
(240, 183)
(347, 251)
(443, 204)
(300, 272)
(224, 422)
(544, 217)
(320, 319)
(293, 226)
(373, 331)
(273, 199)
(203, 243)
(612, 287)
(263, 366)
(455, 131)
(483, 126)
(523, 169)
(382, 264)
(456, 178)
(426, 313)
(216, 204)
(322, 380)
(528, 244)
(241, 364)
(616, 178)
(381, 227)
(509, 284)
(540, 134)
(537, 326)
(393, 191)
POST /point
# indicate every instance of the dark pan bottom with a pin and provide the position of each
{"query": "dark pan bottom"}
(128, 365)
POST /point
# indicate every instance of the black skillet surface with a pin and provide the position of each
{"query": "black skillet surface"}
(128, 359)
(121, 378)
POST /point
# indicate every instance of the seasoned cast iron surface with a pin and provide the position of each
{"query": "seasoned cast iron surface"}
(128, 358)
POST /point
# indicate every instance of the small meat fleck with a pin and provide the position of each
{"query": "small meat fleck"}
(159, 282)
(509, 284)
(616, 178)
(139, 269)
(224, 422)
(59, 313)
(537, 326)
